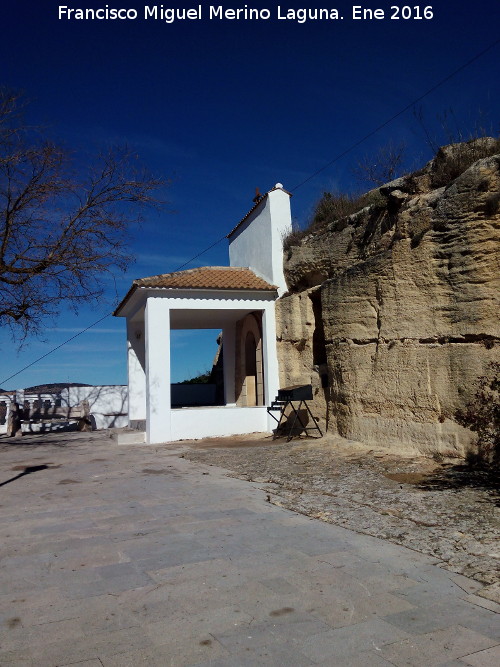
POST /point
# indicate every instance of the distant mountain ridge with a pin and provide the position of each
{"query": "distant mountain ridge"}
(54, 387)
(50, 388)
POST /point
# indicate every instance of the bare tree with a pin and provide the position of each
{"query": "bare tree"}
(383, 166)
(59, 231)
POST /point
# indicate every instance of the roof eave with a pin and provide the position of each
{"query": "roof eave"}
(124, 301)
(272, 289)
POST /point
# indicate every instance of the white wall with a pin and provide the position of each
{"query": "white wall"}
(107, 404)
(258, 242)
(5, 398)
(157, 333)
(196, 423)
(229, 362)
(203, 309)
(136, 367)
(270, 357)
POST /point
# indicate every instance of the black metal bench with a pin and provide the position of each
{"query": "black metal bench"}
(286, 398)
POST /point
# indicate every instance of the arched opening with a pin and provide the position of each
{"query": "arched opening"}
(249, 376)
(251, 368)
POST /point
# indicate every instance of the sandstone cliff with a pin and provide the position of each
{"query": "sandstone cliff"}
(392, 313)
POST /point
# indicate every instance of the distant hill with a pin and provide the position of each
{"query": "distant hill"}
(54, 388)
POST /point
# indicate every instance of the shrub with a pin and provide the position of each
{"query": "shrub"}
(451, 161)
(383, 166)
(202, 378)
(482, 415)
(293, 238)
(330, 208)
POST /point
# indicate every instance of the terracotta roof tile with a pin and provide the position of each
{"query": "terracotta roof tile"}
(205, 277)
(208, 277)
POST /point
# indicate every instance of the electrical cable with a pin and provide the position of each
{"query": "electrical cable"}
(56, 348)
(396, 115)
(200, 254)
(101, 319)
(306, 180)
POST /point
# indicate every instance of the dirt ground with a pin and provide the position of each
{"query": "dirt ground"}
(439, 508)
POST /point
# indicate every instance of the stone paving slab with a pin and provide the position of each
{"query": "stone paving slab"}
(442, 508)
(131, 555)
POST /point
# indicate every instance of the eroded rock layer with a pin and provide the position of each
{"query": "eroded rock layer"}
(392, 313)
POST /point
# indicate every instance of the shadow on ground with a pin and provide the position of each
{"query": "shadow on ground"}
(28, 470)
(461, 476)
(53, 439)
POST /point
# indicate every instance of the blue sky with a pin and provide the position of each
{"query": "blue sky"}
(220, 107)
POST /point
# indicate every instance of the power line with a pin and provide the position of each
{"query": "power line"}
(200, 254)
(99, 320)
(396, 115)
(306, 180)
(56, 348)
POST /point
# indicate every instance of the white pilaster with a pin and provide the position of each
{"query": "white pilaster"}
(229, 363)
(271, 374)
(281, 225)
(136, 363)
(157, 334)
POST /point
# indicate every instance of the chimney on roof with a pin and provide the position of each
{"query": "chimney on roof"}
(258, 196)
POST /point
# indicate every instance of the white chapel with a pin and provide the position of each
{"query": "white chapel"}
(239, 299)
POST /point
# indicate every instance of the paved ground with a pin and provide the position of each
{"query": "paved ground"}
(115, 556)
(442, 508)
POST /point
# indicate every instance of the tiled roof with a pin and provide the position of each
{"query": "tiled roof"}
(208, 277)
(205, 277)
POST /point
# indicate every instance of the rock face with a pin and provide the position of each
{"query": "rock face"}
(395, 308)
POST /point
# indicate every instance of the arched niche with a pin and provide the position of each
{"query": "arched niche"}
(249, 366)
